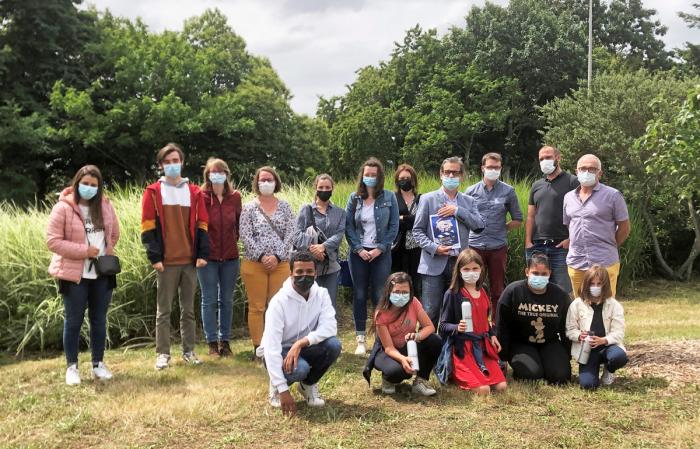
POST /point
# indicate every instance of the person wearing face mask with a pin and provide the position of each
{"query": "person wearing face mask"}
(299, 343)
(320, 230)
(399, 318)
(174, 224)
(437, 260)
(83, 226)
(531, 325)
(371, 226)
(267, 231)
(598, 223)
(495, 199)
(217, 280)
(544, 229)
(475, 352)
(405, 254)
(596, 316)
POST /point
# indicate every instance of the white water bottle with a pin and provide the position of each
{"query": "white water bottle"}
(585, 351)
(467, 315)
(413, 354)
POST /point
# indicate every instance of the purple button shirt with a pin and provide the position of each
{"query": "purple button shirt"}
(592, 226)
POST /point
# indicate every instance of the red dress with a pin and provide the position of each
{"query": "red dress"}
(467, 374)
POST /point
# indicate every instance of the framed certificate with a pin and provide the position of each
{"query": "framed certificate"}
(445, 231)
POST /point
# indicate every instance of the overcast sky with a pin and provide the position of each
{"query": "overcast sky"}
(317, 45)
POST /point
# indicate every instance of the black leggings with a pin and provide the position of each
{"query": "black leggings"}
(428, 353)
(549, 361)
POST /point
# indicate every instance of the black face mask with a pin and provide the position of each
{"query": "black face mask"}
(405, 185)
(304, 283)
(324, 195)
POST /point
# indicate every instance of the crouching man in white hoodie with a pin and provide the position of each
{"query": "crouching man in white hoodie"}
(299, 342)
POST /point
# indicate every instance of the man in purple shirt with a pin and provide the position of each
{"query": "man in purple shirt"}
(598, 224)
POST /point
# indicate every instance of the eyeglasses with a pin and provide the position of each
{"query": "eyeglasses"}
(593, 170)
(452, 173)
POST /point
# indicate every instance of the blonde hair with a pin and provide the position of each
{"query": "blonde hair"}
(221, 165)
(596, 271)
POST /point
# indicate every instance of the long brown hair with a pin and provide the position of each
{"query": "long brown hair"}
(596, 271)
(411, 171)
(94, 204)
(384, 303)
(465, 257)
(361, 187)
(221, 165)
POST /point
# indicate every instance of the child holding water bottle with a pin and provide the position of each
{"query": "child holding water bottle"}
(476, 347)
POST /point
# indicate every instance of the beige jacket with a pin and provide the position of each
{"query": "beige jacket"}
(579, 318)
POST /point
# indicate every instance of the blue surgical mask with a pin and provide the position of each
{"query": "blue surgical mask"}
(538, 282)
(370, 181)
(399, 299)
(217, 178)
(450, 183)
(172, 170)
(87, 192)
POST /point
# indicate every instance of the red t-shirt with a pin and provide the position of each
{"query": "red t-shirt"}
(401, 324)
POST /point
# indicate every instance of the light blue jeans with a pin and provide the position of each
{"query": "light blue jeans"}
(217, 281)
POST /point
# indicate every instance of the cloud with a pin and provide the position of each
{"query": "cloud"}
(317, 45)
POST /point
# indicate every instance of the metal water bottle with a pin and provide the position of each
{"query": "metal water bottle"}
(585, 351)
(467, 315)
(412, 348)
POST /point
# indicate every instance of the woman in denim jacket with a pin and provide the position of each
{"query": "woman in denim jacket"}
(372, 222)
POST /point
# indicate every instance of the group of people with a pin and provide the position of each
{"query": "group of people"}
(432, 265)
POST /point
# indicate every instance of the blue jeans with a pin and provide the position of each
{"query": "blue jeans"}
(217, 281)
(330, 283)
(614, 358)
(557, 263)
(314, 361)
(434, 288)
(95, 295)
(364, 274)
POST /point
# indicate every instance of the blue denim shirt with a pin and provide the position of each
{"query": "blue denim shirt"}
(386, 218)
(493, 205)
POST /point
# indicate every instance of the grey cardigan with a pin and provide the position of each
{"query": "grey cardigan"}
(333, 226)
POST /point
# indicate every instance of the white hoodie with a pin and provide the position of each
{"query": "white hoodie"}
(290, 317)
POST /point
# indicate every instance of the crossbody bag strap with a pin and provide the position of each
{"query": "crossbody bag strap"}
(269, 221)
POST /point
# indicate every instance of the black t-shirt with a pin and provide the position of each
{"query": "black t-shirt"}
(597, 326)
(548, 197)
(524, 317)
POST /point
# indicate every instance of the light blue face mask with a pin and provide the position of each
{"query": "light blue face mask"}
(399, 299)
(217, 178)
(370, 181)
(538, 282)
(172, 170)
(450, 183)
(87, 192)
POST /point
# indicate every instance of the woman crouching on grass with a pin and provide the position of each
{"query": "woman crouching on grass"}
(83, 226)
(475, 353)
(596, 318)
(399, 314)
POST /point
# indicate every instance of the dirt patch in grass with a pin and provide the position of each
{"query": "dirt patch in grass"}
(676, 361)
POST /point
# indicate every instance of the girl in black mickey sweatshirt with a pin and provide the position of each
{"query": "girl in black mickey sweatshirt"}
(532, 325)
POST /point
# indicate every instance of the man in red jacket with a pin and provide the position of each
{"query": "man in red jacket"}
(174, 225)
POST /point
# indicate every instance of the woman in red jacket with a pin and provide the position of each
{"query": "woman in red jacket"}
(217, 280)
(83, 226)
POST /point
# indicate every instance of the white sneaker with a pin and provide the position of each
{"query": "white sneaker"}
(72, 375)
(361, 348)
(422, 387)
(274, 397)
(101, 372)
(388, 387)
(191, 358)
(607, 378)
(162, 361)
(311, 394)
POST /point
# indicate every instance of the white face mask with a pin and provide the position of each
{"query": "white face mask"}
(547, 166)
(470, 277)
(491, 174)
(266, 187)
(587, 179)
(595, 291)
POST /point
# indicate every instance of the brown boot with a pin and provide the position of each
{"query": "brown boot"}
(225, 349)
(214, 349)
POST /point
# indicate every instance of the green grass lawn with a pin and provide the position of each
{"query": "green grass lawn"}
(223, 403)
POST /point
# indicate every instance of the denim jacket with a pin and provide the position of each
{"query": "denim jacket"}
(386, 218)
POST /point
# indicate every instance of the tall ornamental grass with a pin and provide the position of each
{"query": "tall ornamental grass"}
(31, 310)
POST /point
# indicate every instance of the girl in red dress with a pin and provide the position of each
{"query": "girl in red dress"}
(475, 354)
